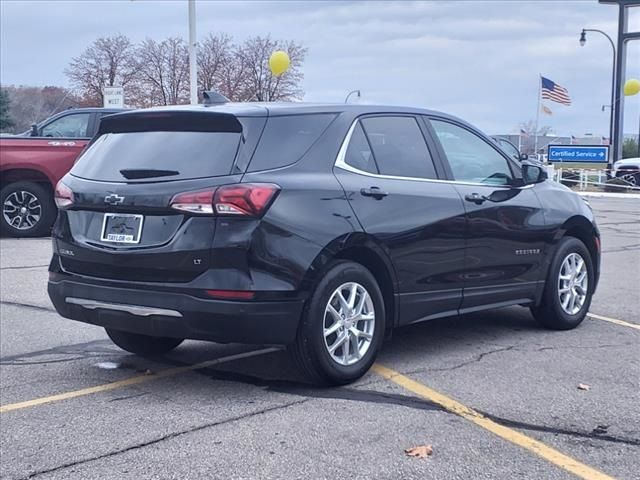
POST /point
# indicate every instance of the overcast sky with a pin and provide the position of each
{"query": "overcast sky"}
(479, 60)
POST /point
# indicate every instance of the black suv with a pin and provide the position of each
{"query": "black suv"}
(319, 227)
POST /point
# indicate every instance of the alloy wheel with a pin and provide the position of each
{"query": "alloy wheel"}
(21, 210)
(573, 283)
(631, 179)
(349, 323)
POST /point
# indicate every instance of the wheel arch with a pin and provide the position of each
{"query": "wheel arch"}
(363, 249)
(14, 175)
(581, 228)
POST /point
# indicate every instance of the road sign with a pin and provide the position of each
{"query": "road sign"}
(113, 97)
(578, 153)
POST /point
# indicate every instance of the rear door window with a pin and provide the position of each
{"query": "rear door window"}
(287, 138)
(74, 125)
(358, 153)
(399, 147)
(160, 155)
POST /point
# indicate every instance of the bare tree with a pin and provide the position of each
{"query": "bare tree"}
(529, 128)
(214, 53)
(34, 104)
(108, 61)
(163, 72)
(528, 134)
(259, 83)
(233, 79)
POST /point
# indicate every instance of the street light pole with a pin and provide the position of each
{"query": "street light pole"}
(583, 40)
(346, 100)
(624, 37)
(193, 66)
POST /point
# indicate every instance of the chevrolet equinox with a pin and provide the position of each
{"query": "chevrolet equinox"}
(318, 227)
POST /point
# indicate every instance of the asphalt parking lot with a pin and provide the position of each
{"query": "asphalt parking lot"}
(492, 393)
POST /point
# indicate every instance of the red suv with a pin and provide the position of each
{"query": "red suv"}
(32, 163)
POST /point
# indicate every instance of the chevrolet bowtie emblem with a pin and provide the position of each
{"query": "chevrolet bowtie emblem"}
(113, 199)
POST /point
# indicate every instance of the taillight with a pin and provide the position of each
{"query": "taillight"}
(194, 202)
(250, 199)
(244, 199)
(63, 196)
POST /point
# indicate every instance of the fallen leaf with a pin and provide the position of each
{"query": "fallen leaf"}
(422, 451)
(583, 386)
(600, 429)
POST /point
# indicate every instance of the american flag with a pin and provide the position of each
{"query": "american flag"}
(554, 92)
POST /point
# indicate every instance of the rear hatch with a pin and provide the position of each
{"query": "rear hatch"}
(121, 224)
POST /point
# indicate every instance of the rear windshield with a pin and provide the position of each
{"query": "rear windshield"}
(164, 155)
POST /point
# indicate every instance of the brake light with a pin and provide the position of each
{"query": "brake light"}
(63, 196)
(243, 199)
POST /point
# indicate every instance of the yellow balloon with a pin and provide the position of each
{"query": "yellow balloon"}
(632, 87)
(279, 62)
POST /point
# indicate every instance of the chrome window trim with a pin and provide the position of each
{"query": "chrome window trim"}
(342, 164)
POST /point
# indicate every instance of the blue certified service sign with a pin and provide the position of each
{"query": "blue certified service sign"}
(578, 153)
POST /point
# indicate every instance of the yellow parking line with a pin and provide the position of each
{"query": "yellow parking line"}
(614, 320)
(549, 454)
(169, 372)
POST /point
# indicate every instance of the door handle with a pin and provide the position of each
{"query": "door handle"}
(475, 198)
(374, 192)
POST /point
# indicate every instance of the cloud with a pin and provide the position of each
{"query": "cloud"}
(479, 60)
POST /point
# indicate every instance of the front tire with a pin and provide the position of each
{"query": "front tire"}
(342, 327)
(569, 287)
(28, 209)
(144, 345)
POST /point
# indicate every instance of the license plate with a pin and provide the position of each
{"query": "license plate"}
(121, 228)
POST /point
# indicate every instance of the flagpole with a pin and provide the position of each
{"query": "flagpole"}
(520, 140)
(535, 140)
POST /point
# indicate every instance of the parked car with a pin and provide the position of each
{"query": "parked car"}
(629, 170)
(32, 163)
(510, 149)
(319, 227)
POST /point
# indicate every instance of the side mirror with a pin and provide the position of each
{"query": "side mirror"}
(532, 173)
(34, 130)
(523, 157)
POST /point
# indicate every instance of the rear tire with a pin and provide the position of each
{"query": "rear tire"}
(569, 287)
(354, 329)
(28, 210)
(142, 344)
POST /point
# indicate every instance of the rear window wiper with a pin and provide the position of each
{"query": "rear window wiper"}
(137, 173)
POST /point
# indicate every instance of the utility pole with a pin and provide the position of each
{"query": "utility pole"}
(624, 36)
(193, 66)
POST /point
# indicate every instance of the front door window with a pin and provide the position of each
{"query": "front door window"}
(470, 157)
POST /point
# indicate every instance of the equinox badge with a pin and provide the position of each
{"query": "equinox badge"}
(113, 199)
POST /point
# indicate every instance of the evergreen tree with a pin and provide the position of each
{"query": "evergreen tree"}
(5, 118)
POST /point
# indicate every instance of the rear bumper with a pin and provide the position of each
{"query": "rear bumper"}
(178, 315)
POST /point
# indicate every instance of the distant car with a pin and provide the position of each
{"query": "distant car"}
(32, 163)
(628, 169)
(511, 149)
(320, 227)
